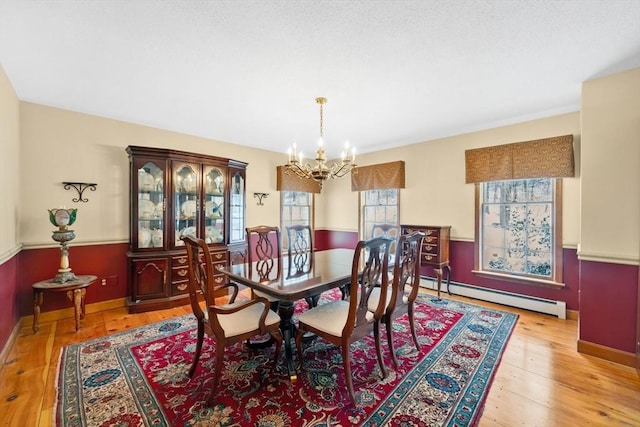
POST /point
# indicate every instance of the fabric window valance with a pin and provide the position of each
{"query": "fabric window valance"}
(378, 177)
(540, 158)
(292, 182)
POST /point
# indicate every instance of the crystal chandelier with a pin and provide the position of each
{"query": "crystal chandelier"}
(320, 171)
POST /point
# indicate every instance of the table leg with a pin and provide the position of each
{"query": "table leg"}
(76, 297)
(37, 302)
(83, 293)
(448, 268)
(285, 309)
(438, 272)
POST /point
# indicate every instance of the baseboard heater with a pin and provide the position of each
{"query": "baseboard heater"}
(540, 305)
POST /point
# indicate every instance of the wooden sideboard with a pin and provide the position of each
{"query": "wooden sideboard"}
(435, 249)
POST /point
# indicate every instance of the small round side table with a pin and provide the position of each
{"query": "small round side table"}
(75, 289)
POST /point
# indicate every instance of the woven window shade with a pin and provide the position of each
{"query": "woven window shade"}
(292, 182)
(378, 177)
(540, 158)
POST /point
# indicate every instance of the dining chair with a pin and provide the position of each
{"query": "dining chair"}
(404, 287)
(343, 322)
(228, 324)
(300, 249)
(264, 248)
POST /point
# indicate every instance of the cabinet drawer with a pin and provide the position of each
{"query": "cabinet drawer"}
(178, 261)
(430, 249)
(430, 258)
(219, 256)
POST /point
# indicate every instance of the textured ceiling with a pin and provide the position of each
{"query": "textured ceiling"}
(247, 72)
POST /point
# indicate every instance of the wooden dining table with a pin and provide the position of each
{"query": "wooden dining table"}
(292, 278)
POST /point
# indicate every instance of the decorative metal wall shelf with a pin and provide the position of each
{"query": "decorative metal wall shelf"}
(80, 187)
(260, 196)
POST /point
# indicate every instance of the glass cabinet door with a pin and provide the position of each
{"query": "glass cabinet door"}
(151, 205)
(237, 207)
(185, 204)
(214, 190)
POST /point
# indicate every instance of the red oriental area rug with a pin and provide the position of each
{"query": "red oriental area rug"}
(139, 377)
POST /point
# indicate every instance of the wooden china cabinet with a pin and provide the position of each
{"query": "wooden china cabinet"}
(435, 249)
(176, 193)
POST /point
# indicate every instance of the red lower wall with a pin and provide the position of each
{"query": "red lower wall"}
(461, 256)
(609, 304)
(108, 262)
(9, 314)
(605, 294)
(328, 239)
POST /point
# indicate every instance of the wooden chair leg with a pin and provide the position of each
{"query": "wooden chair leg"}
(346, 362)
(412, 323)
(277, 336)
(196, 356)
(217, 373)
(392, 350)
(376, 335)
(299, 334)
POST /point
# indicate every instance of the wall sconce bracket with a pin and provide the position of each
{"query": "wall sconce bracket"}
(80, 187)
(260, 196)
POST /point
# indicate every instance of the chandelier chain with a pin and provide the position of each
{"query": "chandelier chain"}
(321, 120)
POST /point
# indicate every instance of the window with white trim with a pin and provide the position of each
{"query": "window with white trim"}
(296, 208)
(519, 229)
(379, 207)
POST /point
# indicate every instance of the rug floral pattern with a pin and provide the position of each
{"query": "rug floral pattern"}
(139, 377)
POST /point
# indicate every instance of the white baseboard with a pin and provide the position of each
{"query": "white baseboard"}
(540, 305)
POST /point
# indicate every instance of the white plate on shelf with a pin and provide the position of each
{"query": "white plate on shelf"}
(144, 238)
(213, 235)
(188, 209)
(159, 210)
(189, 231)
(146, 209)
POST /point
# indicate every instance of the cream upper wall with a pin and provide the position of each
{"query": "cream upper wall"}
(9, 164)
(610, 227)
(436, 193)
(59, 145)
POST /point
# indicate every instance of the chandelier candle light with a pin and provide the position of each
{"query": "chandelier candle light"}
(321, 171)
(63, 218)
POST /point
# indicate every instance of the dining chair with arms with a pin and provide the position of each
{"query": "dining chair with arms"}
(228, 324)
(343, 322)
(404, 286)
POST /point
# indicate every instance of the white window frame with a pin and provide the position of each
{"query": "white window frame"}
(295, 213)
(383, 212)
(481, 248)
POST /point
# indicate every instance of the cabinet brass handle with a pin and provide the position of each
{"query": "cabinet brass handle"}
(182, 260)
(428, 232)
(218, 256)
(218, 279)
(428, 257)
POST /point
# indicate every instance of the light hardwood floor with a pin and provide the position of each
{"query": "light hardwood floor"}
(542, 380)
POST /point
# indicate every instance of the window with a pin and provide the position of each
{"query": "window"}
(296, 209)
(379, 207)
(519, 232)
